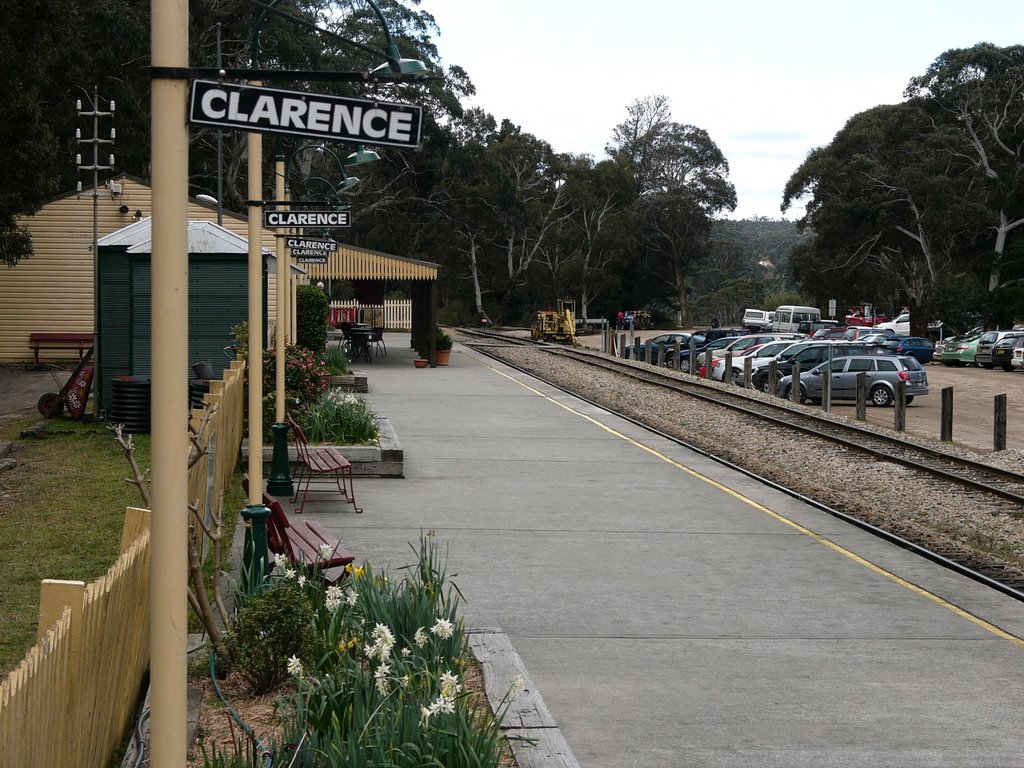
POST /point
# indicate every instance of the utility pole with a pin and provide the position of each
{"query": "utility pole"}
(95, 113)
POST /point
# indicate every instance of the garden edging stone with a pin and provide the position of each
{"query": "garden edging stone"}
(383, 460)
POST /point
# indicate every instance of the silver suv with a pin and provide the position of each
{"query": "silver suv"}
(883, 373)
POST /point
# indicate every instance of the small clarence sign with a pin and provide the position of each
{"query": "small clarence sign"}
(322, 244)
(309, 256)
(275, 219)
(297, 113)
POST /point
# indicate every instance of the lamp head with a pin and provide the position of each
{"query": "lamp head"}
(360, 156)
(406, 69)
(346, 182)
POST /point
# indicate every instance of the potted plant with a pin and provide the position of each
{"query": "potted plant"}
(443, 345)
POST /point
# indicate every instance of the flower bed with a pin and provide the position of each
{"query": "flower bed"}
(369, 672)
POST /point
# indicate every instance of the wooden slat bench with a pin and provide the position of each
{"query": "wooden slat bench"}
(48, 340)
(320, 461)
(304, 542)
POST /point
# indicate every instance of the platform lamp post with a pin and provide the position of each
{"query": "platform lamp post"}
(255, 565)
(279, 482)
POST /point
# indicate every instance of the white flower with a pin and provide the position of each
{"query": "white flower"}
(332, 603)
(281, 560)
(380, 676)
(424, 717)
(352, 597)
(406, 652)
(420, 638)
(443, 628)
(518, 684)
(294, 666)
(334, 592)
(442, 704)
(404, 681)
(302, 581)
(289, 573)
(449, 685)
(326, 550)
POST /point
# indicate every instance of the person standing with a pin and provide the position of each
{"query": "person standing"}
(622, 316)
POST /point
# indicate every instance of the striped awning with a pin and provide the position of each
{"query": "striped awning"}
(350, 262)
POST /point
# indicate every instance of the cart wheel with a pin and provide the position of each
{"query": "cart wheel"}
(50, 404)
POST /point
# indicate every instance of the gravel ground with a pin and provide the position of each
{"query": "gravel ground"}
(984, 531)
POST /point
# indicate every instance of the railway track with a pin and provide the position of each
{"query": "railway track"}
(942, 467)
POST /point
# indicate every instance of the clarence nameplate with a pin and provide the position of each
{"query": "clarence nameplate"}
(296, 113)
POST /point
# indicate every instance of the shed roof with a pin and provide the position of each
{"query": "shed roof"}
(203, 237)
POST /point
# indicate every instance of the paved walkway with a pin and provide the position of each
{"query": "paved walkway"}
(670, 611)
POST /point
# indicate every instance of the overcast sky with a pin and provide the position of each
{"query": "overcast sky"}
(769, 81)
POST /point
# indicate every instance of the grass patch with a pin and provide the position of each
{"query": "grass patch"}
(61, 511)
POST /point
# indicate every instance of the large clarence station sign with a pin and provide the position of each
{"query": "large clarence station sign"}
(297, 113)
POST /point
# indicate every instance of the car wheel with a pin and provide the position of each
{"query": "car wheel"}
(684, 366)
(1007, 368)
(881, 397)
(988, 366)
(910, 399)
(737, 378)
(765, 386)
(948, 363)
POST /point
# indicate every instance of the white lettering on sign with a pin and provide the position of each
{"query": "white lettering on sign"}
(254, 108)
(311, 243)
(306, 219)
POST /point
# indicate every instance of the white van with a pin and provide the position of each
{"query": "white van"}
(755, 320)
(789, 316)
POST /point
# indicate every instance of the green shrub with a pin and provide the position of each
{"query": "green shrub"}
(305, 380)
(336, 360)
(268, 630)
(443, 341)
(341, 418)
(311, 308)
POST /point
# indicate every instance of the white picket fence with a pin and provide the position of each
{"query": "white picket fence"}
(397, 313)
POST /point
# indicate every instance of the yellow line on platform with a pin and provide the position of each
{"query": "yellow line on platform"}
(987, 626)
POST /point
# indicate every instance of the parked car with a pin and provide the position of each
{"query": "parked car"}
(833, 333)
(755, 320)
(810, 327)
(900, 325)
(1018, 357)
(861, 333)
(713, 346)
(667, 340)
(1003, 350)
(960, 352)
(753, 340)
(807, 356)
(983, 356)
(917, 347)
(876, 337)
(883, 374)
(759, 355)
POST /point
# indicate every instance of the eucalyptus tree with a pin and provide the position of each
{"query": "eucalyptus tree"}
(891, 213)
(687, 187)
(527, 203)
(977, 94)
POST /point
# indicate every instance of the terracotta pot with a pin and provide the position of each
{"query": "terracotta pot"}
(420, 362)
(443, 355)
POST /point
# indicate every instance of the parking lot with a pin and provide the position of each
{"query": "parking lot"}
(973, 393)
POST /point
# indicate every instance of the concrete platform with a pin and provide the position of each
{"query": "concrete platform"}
(670, 611)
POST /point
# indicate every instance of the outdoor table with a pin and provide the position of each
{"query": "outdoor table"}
(359, 344)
